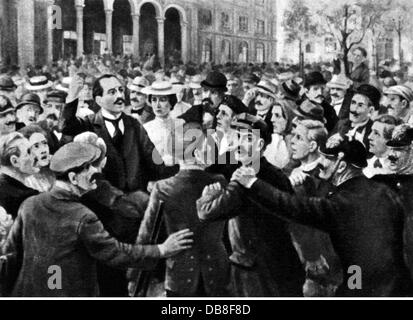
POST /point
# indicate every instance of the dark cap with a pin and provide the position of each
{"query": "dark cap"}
(310, 110)
(314, 78)
(291, 90)
(352, 152)
(6, 83)
(249, 122)
(402, 137)
(370, 92)
(73, 155)
(193, 114)
(215, 80)
(32, 99)
(234, 104)
(5, 105)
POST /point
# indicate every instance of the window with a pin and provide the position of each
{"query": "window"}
(225, 51)
(330, 44)
(206, 54)
(243, 53)
(243, 24)
(260, 53)
(204, 18)
(225, 22)
(260, 26)
(309, 48)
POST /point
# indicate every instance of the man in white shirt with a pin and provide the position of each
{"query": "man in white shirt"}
(338, 86)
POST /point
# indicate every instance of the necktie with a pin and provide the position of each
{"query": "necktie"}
(137, 111)
(117, 136)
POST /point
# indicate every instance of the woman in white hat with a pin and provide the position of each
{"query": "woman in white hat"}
(162, 96)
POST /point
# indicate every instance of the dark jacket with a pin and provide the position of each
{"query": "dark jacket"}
(365, 223)
(13, 193)
(145, 114)
(329, 115)
(207, 260)
(260, 242)
(360, 75)
(403, 186)
(344, 126)
(134, 166)
(55, 229)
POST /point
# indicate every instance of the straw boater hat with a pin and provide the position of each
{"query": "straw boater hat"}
(138, 84)
(161, 88)
(339, 81)
(195, 82)
(64, 86)
(39, 83)
(268, 88)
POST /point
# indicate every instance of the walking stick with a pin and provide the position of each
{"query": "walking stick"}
(143, 278)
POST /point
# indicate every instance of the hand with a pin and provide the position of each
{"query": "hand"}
(249, 96)
(150, 186)
(334, 141)
(297, 177)
(212, 190)
(75, 87)
(176, 243)
(244, 176)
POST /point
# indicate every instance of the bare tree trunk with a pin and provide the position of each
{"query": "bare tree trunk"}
(301, 60)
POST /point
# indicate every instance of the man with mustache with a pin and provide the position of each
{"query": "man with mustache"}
(363, 218)
(8, 117)
(381, 133)
(365, 101)
(399, 177)
(339, 86)
(17, 164)
(314, 85)
(132, 160)
(264, 101)
(398, 102)
(28, 110)
(264, 261)
(139, 108)
(56, 229)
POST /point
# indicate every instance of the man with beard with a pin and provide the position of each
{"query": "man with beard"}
(139, 108)
(363, 218)
(365, 101)
(314, 86)
(17, 164)
(28, 110)
(264, 261)
(400, 178)
(339, 86)
(381, 133)
(7, 116)
(55, 229)
(52, 122)
(398, 102)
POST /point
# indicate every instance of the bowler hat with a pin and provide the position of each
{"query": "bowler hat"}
(402, 137)
(370, 92)
(310, 110)
(291, 90)
(352, 152)
(314, 78)
(32, 99)
(73, 155)
(6, 83)
(215, 80)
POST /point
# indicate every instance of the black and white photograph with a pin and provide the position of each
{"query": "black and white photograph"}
(206, 150)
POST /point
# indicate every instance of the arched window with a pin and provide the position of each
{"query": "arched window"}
(243, 52)
(260, 53)
(225, 51)
(308, 48)
(206, 51)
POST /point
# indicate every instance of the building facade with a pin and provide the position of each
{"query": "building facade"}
(40, 31)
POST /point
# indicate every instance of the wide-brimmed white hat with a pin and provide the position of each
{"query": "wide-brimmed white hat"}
(138, 84)
(339, 81)
(195, 82)
(38, 83)
(161, 88)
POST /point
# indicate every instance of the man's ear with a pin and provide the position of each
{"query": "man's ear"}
(261, 144)
(72, 178)
(405, 104)
(342, 166)
(14, 160)
(313, 146)
(371, 110)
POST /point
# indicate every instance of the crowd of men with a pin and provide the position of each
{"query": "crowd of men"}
(206, 181)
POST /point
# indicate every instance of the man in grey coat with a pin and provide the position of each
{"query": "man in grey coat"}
(59, 240)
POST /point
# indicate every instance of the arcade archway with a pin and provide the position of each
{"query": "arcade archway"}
(173, 36)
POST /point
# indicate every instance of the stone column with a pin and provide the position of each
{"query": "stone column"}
(184, 41)
(79, 29)
(25, 32)
(161, 40)
(135, 35)
(109, 14)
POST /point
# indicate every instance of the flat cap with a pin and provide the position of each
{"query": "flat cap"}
(352, 152)
(401, 91)
(234, 104)
(74, 155)
(402, 137)
(250, 122)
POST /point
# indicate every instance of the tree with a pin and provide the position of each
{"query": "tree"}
(299, 24)
(349, 21)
